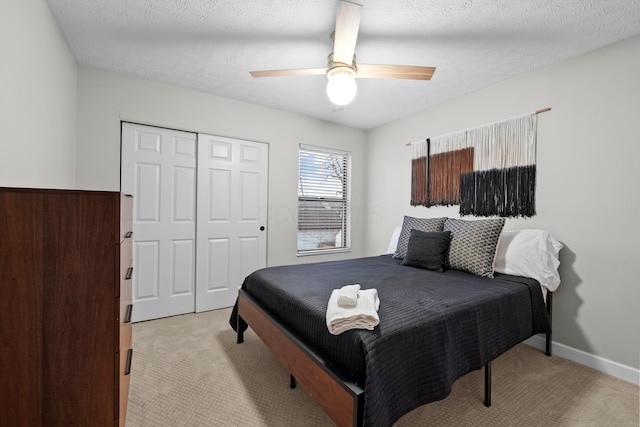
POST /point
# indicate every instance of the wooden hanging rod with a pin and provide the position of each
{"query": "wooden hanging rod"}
(541, 110)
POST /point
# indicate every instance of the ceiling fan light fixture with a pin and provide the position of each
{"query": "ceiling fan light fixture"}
(342, 87)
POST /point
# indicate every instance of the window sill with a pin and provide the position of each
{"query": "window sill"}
(323, 252)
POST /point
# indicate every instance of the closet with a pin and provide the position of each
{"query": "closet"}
(200, 217)
(65, 331)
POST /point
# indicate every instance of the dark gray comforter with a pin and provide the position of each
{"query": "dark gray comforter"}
(434, 327)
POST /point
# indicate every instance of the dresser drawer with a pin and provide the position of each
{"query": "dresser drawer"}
(126, 215)
(125, 336)
(126, 253)
(125, 301)
(126, 360)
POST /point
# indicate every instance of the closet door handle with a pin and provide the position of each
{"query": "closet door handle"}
(128, 234)
(129, 273)
(127, 367)
(127, 316)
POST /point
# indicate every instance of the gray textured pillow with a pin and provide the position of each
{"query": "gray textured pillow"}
(473, 244)
(410, 223)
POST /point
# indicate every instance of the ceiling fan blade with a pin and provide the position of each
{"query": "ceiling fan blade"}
(298, 72)
(347, 26)
(411, 72)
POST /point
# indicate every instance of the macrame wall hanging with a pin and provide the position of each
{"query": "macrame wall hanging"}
(488, 170)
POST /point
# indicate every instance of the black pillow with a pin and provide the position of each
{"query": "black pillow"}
(427, 249)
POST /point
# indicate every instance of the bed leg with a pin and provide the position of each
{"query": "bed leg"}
(292, 382)
(549, 307)
(487, 384)
(240, 332)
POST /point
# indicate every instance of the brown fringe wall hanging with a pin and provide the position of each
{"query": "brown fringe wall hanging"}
(488, 171)
(445, 170)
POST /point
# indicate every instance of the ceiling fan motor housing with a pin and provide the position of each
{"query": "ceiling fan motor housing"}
(331, 65)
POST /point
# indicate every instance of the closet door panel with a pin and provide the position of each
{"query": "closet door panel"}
(219, 197)
(250, 197)
(147, 259)
(231, 217)
(218, 265)
(183, 258)
(159, 169)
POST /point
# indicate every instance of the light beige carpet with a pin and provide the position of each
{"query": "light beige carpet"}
(188, 371)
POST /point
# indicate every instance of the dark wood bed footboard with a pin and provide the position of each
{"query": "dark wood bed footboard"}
(342, 400)
(549, 312)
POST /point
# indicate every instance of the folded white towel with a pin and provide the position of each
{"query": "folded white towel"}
(363, 316)
(348, 295)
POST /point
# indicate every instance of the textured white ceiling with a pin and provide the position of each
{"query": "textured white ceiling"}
(211, 45)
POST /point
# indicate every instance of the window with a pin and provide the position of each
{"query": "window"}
(323, 200)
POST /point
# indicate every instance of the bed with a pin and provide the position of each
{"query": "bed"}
(435, 326)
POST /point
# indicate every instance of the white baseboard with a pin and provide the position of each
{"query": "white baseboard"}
(598, 363)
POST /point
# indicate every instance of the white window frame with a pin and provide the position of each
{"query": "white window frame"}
(346, 233)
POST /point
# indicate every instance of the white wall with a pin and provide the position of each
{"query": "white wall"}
(37, 98)
(104, 99)
(587, 185)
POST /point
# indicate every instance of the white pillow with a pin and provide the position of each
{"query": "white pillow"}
(393, 243)
(529, 253)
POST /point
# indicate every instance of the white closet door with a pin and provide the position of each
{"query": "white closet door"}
(159, 169)
(231, 217)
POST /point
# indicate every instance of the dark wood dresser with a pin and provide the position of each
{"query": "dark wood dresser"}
(65, 307)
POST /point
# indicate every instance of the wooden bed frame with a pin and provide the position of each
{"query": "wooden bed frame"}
(340, 398)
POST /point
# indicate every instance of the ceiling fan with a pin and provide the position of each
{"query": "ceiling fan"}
(342, 69)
